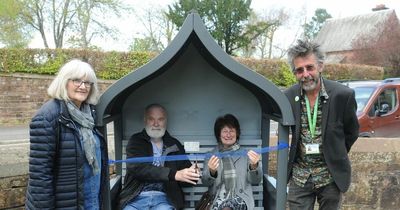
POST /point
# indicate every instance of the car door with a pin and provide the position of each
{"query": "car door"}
(385, 114)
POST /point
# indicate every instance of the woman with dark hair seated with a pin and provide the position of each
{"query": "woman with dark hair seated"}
(230, 178)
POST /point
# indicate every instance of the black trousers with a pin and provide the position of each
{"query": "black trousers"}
(329, 197)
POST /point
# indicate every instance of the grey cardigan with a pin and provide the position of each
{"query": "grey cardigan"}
(245, 178)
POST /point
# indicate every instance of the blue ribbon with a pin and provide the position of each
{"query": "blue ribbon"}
(202, 156)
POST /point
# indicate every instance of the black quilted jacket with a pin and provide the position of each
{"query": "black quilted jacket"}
(139, 145)
(56, 178)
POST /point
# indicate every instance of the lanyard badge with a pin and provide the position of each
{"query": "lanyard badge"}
(312, 124)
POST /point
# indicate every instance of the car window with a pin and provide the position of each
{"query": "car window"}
(362, 95)
(385, 103)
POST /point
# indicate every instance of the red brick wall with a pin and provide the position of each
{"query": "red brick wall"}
(22, 94)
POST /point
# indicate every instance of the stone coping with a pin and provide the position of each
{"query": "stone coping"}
(376, 145)
(368, 144)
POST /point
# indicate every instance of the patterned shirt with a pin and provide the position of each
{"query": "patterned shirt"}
(311, 166)
(155, 186)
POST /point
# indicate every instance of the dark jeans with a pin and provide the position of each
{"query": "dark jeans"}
(303, 198)
(150, 200)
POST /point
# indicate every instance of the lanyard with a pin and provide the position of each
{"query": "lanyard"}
(312, 123)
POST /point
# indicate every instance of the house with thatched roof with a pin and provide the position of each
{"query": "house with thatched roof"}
(338, 35)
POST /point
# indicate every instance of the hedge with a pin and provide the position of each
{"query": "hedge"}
(353, 72)
(114, 65)
(277, 71)
(108, 65)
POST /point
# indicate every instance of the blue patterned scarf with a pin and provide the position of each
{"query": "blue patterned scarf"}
(85, 119)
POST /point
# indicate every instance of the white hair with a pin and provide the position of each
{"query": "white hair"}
(74, 69)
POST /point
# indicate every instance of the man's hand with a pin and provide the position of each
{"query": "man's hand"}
(213, 164)
(188, 175)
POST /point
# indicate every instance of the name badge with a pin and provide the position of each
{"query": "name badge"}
(312, 149)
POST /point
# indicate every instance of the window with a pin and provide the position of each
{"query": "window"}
(385, 103)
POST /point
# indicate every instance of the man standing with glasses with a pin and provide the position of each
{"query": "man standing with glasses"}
(326, 126)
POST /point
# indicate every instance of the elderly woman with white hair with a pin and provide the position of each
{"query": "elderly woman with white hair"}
(68, 156)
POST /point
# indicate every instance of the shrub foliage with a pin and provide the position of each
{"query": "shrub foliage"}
(108, 65)
(114, 65)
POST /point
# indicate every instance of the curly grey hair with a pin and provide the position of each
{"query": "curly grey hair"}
(304, 48)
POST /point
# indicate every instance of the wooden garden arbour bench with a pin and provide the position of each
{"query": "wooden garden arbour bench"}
(196, 82)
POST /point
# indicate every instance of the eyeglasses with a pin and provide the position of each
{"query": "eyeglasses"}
(300, 70)
(226, 131)
(78, 83)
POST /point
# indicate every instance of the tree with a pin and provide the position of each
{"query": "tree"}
(158, 33)
(312, 28)
(380, 49)
(56, 13)
(142, 45)
(88, 23)
(14, 33)
(268, 22)
(225, 20)
(79, 20)
(178, 11)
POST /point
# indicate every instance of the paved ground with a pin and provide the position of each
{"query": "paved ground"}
(14, 150)
(19, 132)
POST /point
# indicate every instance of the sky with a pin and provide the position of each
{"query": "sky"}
(337, 8)
(300, 11)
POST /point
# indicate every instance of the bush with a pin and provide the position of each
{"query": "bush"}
(277, 71)
(352, 72)
(119, 64)
(108, 65)
(114, 65)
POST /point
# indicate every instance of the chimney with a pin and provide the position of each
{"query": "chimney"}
(379, 7)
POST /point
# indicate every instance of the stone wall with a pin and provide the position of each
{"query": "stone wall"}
(376, 175)
(22, 94)
(376, 162)
(12, 192)
(375, 179)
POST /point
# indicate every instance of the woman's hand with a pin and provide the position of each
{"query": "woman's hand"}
(254, 158)
(213, 164)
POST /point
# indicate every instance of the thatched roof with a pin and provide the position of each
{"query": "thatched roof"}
(337, 34)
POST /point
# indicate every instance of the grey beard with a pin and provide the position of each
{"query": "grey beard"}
(309, 87)
(155, 133)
